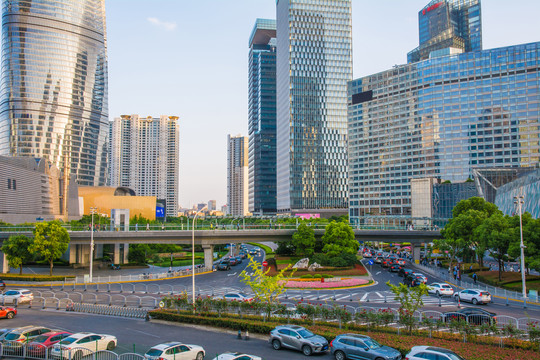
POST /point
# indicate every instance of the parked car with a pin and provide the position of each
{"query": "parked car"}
(355, 346)
(440, 289)
(81, 341)
(175, 350)
(7, 312)
(237, 296)
(20, 296)
(404, 272)
(298, 338)
(474, 316)
(431, 352)
(395, 268)
(4, 332)
(25, 333)
(39, 345)
(237, 356)
(474, 296)
(224, 265)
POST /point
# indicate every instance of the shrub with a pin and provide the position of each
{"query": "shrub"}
(317, 276)
(327, 276)
(338, 262)
(306, 276)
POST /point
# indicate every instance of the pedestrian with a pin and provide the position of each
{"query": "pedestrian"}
(470, 267)
(237, 226)
(136, 227)
(455, 274)
(474, 277)
(147, 226)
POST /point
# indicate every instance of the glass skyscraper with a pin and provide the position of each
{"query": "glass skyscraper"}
(262, 117)
(314, 64)
(448, 27)
(53, 98)
(442, 118)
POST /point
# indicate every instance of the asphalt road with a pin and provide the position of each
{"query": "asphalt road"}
(139, 336)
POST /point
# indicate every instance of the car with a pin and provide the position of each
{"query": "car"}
(39, 345)
(386, 263)
(7, 312)
(243, 255)
(395, 268)
(367, 254)
(175, 350)
(440, 289)
(24, 334)
(473, 316)
(4, 332)
(474, 296)
(298, 338)
(236, 356)
(238, 259)
(356, 346)
(252, 252)
(404, 272)
(233, 261)
(224, 265)
(421, 277)
(19, 296)
(378, 260)
(401, 261)
(431, 352)
(237, 296)
(80, 342)
(412, 280)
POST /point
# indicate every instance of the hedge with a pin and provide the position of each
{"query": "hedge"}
(515, 349)
(31, 277)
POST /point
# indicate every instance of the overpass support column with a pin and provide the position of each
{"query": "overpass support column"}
(126, 253)
(208, 256)
(72, 254)
(416, 254)
(116, 255)
(5, 267)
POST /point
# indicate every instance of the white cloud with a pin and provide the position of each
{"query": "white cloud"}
(169, 26)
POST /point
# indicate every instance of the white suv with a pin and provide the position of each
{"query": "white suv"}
(440, 289)
(175, 351)
(431, 352)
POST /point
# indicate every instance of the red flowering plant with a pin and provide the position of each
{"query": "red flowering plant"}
(533, 329)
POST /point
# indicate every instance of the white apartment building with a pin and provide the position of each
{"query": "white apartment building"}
(237, 175)
(144, 156)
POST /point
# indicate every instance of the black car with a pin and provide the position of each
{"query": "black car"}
(224, 265)
(412, 280)
(395, 268)
(473, 316)
(404, 272)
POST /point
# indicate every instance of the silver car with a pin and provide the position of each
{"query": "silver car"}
(356, 346)
(297, 338)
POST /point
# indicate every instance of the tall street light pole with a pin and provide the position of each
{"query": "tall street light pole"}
(193, 257)
(519, 201)
(92, 211)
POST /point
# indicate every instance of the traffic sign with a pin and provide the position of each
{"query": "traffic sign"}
(265, 263)
(370, 262)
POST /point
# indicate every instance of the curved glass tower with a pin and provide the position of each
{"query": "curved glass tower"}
(53, 97)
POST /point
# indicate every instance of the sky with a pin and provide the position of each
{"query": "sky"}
(189, 59)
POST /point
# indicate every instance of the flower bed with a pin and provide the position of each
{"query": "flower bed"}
(317, 284)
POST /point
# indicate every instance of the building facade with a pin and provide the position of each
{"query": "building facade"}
(526, 185)
(262, 117)
(448, 27)
(441, 118)
(314, 64)
(53, 97)
(237, 175)
(145, 156)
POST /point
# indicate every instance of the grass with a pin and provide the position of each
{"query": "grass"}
(186, 260)
(509, 280)
(266, 249)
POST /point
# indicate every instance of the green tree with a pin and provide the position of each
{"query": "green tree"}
(531, 240)
(139, 253)
(339, 239)
(266, 288)
(410, 300)
(495, 231)
(304, 240)
(475, 203)
(16, 250)
(51, 240)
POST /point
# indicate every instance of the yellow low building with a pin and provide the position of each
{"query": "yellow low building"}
(106, 198)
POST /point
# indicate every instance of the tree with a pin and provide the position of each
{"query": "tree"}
(339, 239)
(410, 300)
(266, 288)
(531, 240)
(475, 203)
(304, 240)
(16, 250)
(51, 240)
(495, 231)
(138, 253)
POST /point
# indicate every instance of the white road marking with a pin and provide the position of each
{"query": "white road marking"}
(364, 297)
(231, 274)
(378, 272)
(145, 333)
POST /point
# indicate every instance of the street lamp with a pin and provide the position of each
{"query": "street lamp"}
(193, 257)
(519, 201)
(92, 211)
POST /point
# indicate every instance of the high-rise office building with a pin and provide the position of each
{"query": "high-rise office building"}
(212, 205)
(262, 117)
(53, 97)
(448, 27)
(237, 175)
(314, 64)
(144, 156)
(440, 118)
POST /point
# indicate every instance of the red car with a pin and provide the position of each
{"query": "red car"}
(7, 312)
(41, 343)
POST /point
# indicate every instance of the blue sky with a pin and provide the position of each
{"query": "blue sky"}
(189, 58)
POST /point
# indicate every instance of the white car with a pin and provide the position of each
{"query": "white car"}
(175, 351)
(440, 289)
(82, 344)
(239, 296)
(236, 356)
(431, 352)
(474, 296)
(21, 296)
